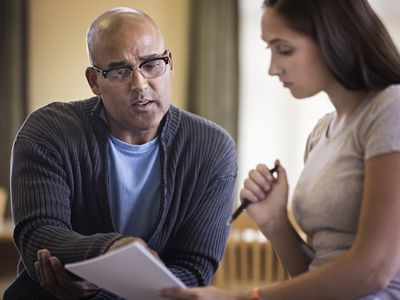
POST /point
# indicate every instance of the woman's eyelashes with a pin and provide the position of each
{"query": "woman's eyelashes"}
(283, 50)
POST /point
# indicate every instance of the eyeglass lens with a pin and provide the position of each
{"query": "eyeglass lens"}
(151, 69)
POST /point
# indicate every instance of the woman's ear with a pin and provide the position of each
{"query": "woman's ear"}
(91, 76)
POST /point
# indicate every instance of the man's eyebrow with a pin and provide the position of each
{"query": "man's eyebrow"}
(150, 56)
(118, 64)
(124, 63)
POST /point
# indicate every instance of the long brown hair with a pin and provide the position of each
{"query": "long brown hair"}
(356, 45)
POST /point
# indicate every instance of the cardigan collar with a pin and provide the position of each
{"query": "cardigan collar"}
(168, 126)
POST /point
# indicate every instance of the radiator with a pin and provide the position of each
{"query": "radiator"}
(249, 261)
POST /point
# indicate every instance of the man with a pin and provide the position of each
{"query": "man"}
(89, 176)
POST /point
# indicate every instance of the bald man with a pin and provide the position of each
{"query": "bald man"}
(90, 176)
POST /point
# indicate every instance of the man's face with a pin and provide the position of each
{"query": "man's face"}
(134, 109)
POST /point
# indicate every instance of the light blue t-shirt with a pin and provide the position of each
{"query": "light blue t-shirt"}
(135, 184)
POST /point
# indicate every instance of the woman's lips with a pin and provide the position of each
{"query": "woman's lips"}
(287, 84)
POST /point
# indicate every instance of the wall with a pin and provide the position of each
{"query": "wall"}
(57, 51)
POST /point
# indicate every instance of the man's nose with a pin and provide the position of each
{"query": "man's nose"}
(139, 82)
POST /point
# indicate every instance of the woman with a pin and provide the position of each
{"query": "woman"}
(347, 199)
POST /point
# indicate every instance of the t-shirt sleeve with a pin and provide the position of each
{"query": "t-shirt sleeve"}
(382, 131)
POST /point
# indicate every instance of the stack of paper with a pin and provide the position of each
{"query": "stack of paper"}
(131, 272)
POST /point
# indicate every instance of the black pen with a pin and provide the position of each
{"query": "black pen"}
(245, 203)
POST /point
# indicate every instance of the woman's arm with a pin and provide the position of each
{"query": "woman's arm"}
(269, 212)
(368, 266)
(374, 259)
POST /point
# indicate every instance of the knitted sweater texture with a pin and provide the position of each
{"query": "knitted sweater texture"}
(59, 192)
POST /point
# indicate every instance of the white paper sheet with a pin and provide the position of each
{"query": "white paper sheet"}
(131, 272)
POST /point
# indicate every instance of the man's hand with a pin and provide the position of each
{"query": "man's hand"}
(127, 240)
(57, 281)
(123, 242)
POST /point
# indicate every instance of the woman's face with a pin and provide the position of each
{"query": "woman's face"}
(295, 58)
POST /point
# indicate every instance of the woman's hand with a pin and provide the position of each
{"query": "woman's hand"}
(268, 194)
(208, 293)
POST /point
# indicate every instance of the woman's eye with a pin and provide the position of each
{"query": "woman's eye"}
(286, 53)
(285, 50)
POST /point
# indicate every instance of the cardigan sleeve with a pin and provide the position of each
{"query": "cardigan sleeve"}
(194, 251)
(42, 210)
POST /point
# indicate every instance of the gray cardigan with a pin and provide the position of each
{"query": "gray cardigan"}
(59, 192)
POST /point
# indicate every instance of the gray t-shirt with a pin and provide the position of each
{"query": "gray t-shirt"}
(327, 199)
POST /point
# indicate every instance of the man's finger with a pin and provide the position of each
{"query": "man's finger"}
(39, 273)
(59, 271)
(49, 278)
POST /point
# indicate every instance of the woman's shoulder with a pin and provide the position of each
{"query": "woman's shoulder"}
(321, 127)
(381, 104)
(387, 96)
(378, 128)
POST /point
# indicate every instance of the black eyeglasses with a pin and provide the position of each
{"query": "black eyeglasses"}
(149, 69)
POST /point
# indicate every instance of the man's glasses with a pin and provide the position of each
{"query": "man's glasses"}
(149, 69)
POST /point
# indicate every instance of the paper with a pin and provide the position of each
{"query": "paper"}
(131, 272)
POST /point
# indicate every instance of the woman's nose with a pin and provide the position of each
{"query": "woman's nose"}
(274, 68)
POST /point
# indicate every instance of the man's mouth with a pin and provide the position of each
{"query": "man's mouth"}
(143, 105)
(142, 102)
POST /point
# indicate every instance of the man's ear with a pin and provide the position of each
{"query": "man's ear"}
(171, 61)
(91, 76)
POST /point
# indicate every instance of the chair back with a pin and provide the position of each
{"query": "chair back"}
(248, 261)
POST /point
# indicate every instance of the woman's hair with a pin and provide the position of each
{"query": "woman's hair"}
(354, 42)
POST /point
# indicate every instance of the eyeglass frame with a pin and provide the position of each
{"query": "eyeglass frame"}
(165, 58)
